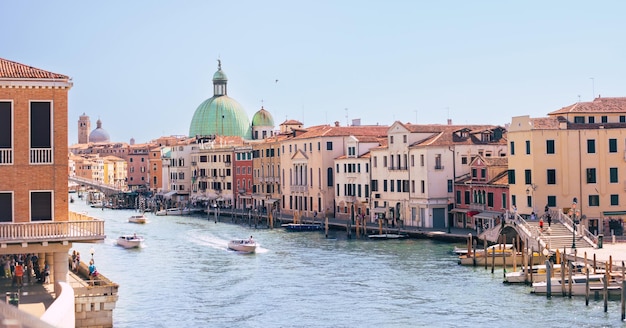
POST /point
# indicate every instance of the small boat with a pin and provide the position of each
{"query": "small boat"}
(387, 236)
(498, 254)
(243, 245)
(579, 285)
(302, 226)
(173, 211)
(539, 273)
(138, 219)
(130, 241)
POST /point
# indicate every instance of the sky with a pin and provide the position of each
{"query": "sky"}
(143, 67)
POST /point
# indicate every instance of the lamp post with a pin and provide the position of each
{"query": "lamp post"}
(91, 251)
(574, 214)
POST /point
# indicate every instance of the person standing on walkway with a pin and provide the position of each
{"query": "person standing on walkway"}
(541, 224)
(19, 274)
(549, 217)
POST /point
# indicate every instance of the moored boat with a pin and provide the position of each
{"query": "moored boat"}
(173, 211)
(302, 226)
(579, 285)
(387, 236)
(539, 273)
(130, 241)
(243, 245)
(498, 254)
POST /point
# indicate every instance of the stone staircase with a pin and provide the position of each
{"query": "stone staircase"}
(558, 236)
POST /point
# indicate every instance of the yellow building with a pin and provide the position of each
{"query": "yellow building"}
(573, 156)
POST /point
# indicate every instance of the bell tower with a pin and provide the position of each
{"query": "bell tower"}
(84, 126)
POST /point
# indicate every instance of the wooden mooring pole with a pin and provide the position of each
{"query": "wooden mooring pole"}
(586, 283)
(623, 293)
(548, 280)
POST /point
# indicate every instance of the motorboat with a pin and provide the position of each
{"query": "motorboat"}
(243, 245)
(173, 211)
(140, 218)
(302, 226)
(499, 254)
(130, 241)
(387, 236)
(579, 285)
(539, 273)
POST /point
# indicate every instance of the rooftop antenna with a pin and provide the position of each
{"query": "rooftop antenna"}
(593, 88)
(578, 98)
(347, 123)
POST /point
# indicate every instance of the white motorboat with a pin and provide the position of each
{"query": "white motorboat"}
(173, 211)
(579, 285)
(138, 219)
(539, 273)
(387, 236)
(243, 245)
(130, 241)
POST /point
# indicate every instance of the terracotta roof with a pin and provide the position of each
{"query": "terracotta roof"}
(339, 131)
(496, 161)
(13, 70)
(545, 123)
(291, 122)
(447, 136)
(598, 105)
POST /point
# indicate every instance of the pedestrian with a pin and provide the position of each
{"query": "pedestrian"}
(549, 219)
(46, 274)
(73, 264)
(93, 272)
(533, 216)
(541, 224)
(19, 274)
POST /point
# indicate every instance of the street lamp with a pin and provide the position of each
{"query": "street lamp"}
(574, 214)
(91, 251)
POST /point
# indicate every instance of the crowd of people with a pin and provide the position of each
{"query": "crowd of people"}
(23, 269)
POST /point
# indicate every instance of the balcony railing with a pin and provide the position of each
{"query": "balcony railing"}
(299, 188)
(80, 227)
(6, 156)
(41, 156)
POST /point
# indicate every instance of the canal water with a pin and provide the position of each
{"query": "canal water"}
(186, 277)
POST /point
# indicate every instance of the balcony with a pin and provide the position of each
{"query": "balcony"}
(80, 228)
(6, 156)
(41, 156)
(299, 188)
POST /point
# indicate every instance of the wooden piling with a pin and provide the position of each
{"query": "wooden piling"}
(557, 256)
(563, 263)
(623, 294)
(326, 226)
(586, 283)
(504, 256)
(548, 280)
(606, 290)
(485, 250)
(594, 263)
(530, 264)
(493, 259)
(569, 280)
(474, 252)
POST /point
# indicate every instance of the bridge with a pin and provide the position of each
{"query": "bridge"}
(560, 235)
(108, 190)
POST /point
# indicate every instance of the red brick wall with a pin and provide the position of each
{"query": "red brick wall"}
(21, 177)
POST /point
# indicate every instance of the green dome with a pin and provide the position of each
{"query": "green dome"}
(262, 118)
(219, 76)
(220, 115)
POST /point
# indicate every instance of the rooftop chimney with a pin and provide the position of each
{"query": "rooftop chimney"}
(336, 123)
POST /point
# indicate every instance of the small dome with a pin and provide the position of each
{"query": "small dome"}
(99, 134)
(219, 76)
(262, 118)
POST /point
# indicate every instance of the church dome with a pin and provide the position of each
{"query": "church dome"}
(220, 114)
(99, 134)
(262, 118)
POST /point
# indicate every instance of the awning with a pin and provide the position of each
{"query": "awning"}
(472, 213)
(487, 215)
(613, 213)
(170, 194)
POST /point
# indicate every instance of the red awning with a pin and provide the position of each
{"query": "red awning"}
(472, 213)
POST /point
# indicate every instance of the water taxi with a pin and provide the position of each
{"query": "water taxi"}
(130, 241)
(243, 245)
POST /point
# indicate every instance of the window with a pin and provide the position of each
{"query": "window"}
(549, 146)
(613, 175)
(592, 119)
(404, 138)
(591, 146)
(527, 147)
(329, 145)
(591, 175)
(422, 160)
(612, 145)
(614, 200)
(450, 185)
(513, 200)
(329, 178)
(604, 119)
(512, 148)
(594, 200)
(467, 197)
(579, 119)
(41, 206)
(458, 197)
(551, 176)
(528, 178)
(385, 185)
(438, 165)
(529, 201)
(6, 207)
(483, 173)
(464, 160)
(391, 139)
(551, 201)
(622, 118)
(490, 199)
(384, 161)
(423, 186)
(6, 133)
(504, 199)
(511, 176)
(474, 173)
(41, 132)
